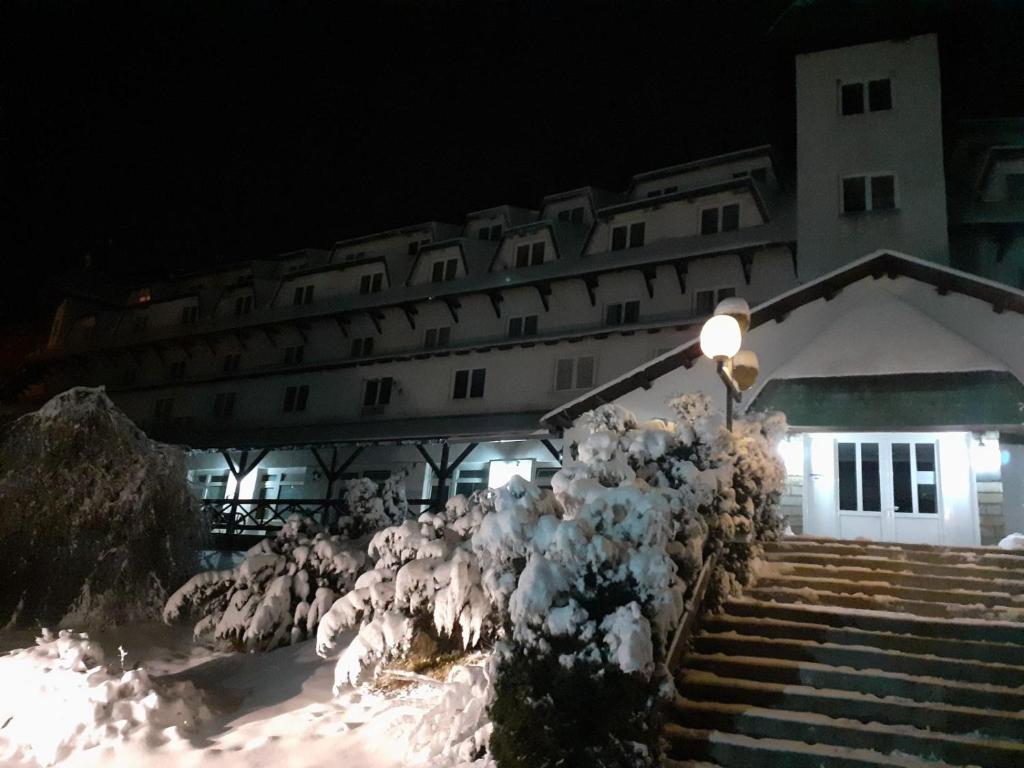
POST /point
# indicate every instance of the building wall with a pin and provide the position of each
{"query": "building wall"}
(905, 140)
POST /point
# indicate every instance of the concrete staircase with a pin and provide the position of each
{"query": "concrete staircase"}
(854, 655)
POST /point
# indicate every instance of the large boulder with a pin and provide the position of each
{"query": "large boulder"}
(96, 522)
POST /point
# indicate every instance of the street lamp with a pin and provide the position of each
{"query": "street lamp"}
(720, 340)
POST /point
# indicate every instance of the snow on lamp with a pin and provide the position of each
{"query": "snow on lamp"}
(720, 337)
(744, 369)
(736, 308)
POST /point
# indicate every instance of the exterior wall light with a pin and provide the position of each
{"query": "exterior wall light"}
(720, 340)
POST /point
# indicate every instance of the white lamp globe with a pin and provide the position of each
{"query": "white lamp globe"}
(720, 337)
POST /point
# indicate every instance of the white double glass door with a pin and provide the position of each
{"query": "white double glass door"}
(885, 487)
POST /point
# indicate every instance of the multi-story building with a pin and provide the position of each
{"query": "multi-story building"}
(436, 348)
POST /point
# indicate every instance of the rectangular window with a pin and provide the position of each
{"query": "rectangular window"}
(295, 398)
(469, 383)
(224, 405)
(847, 476)
(163, 408)
(870, 192)
(709, 221)
(492, 232)
(437, 337)
(470, 480)
(372, 283)
(723, 218)
(377, 391)
(232, 362)
(1015, 187)
(574, 373)
(636, 234)
(294, 355)
(879, 95)
(704, 303)
(243, 305)
(362, 347)
(625, 312)
(303, 295)
(530, 254)
(522, 326)
(619, 238)
(730, 217)
(176, 370)
(574, 215)
(628, 236)
(189, 314)
(852, 98)
(444, 271)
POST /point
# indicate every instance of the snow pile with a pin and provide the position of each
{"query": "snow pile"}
(456, 730)
(277, 595)
(96, 523)
(370, 506)
(58, 699)
(1013, 541)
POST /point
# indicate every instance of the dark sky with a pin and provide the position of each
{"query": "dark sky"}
(161, 136)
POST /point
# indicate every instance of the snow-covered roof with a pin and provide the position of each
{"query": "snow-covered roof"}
(763, 150)
(883, 263)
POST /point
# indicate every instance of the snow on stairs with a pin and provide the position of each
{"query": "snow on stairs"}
(857, 654)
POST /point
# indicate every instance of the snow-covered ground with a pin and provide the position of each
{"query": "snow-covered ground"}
(267, 709)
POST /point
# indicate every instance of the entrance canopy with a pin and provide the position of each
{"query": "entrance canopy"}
(889, 342)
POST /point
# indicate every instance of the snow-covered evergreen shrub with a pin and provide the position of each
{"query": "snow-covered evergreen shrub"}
(277, 595)
(370, 506)
(58, 698)
(96, 522)
(455, 732)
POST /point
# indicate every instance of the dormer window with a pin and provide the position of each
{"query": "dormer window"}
(1015, 187)
(723, 218)
(371, 283)
(416, 245)
(362, 347)
(444, 270)
(303, 295)
(189, 314)
(628, 236)
(878, 92)
(243, 305)
(489, 232)
(574, 215)
(530, 254)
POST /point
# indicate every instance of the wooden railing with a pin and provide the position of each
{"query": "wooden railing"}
(692, 611)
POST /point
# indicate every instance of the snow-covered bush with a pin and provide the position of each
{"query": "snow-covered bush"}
(370, 506)
(96, 523)
(455, 732)
(57, 698)
(277, 595)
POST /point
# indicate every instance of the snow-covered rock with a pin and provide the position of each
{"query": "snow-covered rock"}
(1013, 541)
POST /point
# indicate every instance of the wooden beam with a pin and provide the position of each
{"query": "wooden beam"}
(746, 263)
(649, 273)
(591, 282)
(376, 316)
(428, 459)
(496, 298)
(681, 268)
(461, 457)
(342, 322)
(544, 291)
(410, 311)
(454, 305)
(552, 450)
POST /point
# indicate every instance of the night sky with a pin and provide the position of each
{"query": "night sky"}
(162, 136)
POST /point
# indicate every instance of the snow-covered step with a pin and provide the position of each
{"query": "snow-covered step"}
(866, 708)
(892, 550)
(813, 728)
(1005, 653)
(875, 682)
(904, 578)
(881, 602)
(861, 657)
(881, 621)
(979, 593)
(734, 750)
(875, 562)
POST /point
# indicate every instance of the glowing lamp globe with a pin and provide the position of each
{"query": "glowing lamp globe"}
(720, 337)
(744, 369)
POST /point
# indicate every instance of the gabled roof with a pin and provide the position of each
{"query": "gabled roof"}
(878, 264)
(763, 150)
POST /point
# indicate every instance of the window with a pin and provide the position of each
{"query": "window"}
(281, 483)
(872, 192)
(295, 398)
(377, 392)
(704, 302)
(209, 485)
(879, 96)
(468, 481)
(574, 215)
(163, 408)
(189, 314)
(625, 312)
(371, 283)
(628, 236)
(723, 218)
(530, 254)
(522, 326)
(224, 405)
(574, 373)
(243, 305)
(416, 245)
(303, 295)
(362, 347)
(443, 270)
(469, 383)
(437, 337)
(176, 370)
(491, 232)
(542, 476)
(860, 487)
(1015, 187)
(294, 355)
(232, 362)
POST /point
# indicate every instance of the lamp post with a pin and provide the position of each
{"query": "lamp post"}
(720, 340)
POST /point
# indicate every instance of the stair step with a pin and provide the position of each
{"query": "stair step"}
(861, 657)
(960, 595)
(1004, 653)
(885, 603)
(881, 621)
(904, 578)
(760, 722)
(877, 562)
(891, 548)
(877, 683)
(866, 708)
(733, 750)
